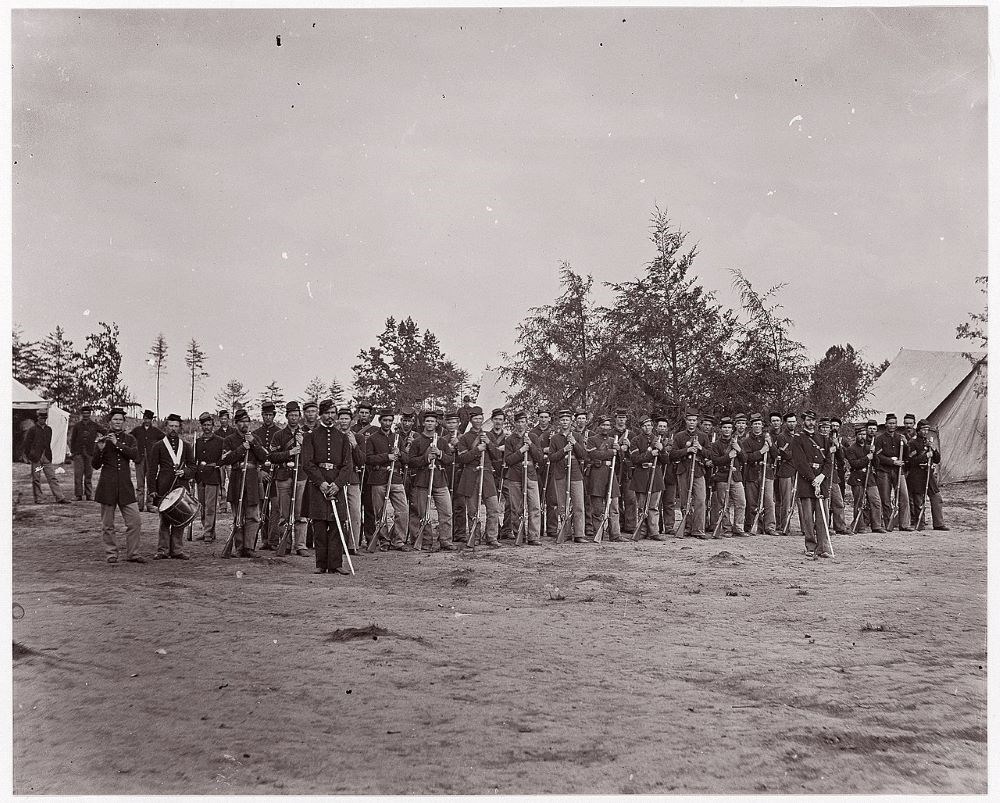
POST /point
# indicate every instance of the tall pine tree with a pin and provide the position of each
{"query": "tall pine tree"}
(157, 360)
(194, 359)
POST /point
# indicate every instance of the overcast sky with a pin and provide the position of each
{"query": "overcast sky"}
(178, 172)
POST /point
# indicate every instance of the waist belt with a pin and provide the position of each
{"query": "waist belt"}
(815, 465)
(328, 466)
(290, 465)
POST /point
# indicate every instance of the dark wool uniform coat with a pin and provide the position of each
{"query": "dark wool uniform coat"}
(114, 487)
(857, 457)
(810, 456)
(678, 453)
(377, 449)
(514, 459)
(888, 446)
(754, 466)
(326, 457)
(81, 439)
(234, 451)
(419, 462)
(602, 454)
(38, 443)
(916, 455)
(208, 449)
(146, 438)
(282, 442)
(559, 460)
(641, 457)
(719, 454)
(469, 456)
(161, 467)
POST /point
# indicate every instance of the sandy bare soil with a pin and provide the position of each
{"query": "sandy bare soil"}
(731, 666)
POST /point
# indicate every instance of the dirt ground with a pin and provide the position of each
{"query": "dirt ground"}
(730, 666)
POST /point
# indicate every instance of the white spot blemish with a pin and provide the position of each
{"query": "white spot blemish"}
(852, 110)
(836, 213)
(284, 255)
(87, 311)
(489, 208)
(941, 239)
(770, 192)
(642, 181)
(220, 347)
(309, 290)
(796, 117)
(736, 95)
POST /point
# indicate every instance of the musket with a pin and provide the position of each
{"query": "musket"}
(894, 512)
(690, 497)
(864, 490)
(927, 482)
(607, 502)
(477, 526)
(566, 517)
(763, 480)
(384, 515)
(418, 542)
(522, 527)
(227, 550)
(284, 545)
(725, 500)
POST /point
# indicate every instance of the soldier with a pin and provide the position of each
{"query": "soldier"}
(498, 435)
(146, 435)
(385, 450)
(459, 522)
(728, 458)
(668, 499)
(740, 425)
(268, 487)
(115, 489)
(208, 475)
(687, 449)
(568, 450)
(843, 469)
(810, 458)
(224, 431)
(238, 449)
(171, 465)
(922, 456)
(310, 420)
(606, 449)
(326, 459)
(785, 473)
(352, 525)
(759, 449)
(861, 459)
(837, 471)
(543, 432)
(707, 426)
(523, 453)
(581, 432)
(647, 479)
(362, 429)
(890, 449)
(427, 449)
(285, 455)
(37, 448)
(774, 427)
(909, 426)
(629, 506)
(81, 446)
(476, 453)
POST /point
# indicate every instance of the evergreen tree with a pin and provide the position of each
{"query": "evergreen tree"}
(315, 391)
(272, 393)
(233, 396)
(157, 359)
(102, 368)
(194, 359)
(61, 370)
(26, 360)
(336, 392)
(840, 382)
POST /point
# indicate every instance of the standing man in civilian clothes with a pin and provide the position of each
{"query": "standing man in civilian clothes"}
(208, 460)
(563, 443)
(522, 452)
(921, 456)
(286, 455)
(115, 489)
(384, 452)
(362, 429)
(224, 431)
(811, 458)
(269, 488)
(171, 466)
(836, 467)
(476, 453)
(628, 505)
(688, 450)
(326, 458)
(81, 447)
(604, 449)
(146, 436)
(242, 446)
(861, 458)
(458, 513)
(430, 448)
(888, 448)
(37, 447)
(785, 475)
(758, 446)
(352, 492)
(728, 458)
(543, 432)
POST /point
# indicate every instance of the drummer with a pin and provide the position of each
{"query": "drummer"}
(172, 465)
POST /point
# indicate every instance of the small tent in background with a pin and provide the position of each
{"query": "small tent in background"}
(26, 404)
(949, 390)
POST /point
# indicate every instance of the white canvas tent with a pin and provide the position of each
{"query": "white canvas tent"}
(24, 399)
(941, 387)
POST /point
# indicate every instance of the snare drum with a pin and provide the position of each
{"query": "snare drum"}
(178, 508)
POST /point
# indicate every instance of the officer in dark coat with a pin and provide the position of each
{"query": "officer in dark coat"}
(112, 456)
(269, 488)
(239, 449)
(146, 436)
(326, 459)
(811, 459)
(171, 466)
